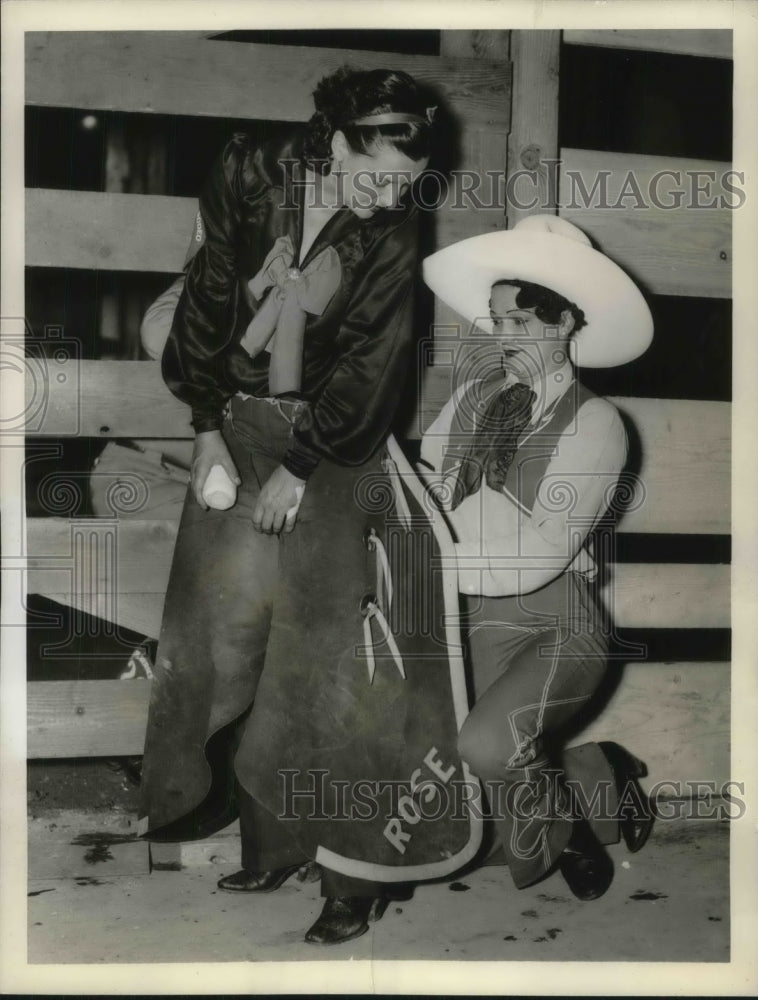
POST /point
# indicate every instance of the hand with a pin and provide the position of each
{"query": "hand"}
(279, 494)
(210, 449)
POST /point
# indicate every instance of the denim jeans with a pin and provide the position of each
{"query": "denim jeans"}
(536, 660)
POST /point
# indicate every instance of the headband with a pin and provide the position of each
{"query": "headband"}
(395, 118)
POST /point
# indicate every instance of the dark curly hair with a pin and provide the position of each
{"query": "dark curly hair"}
(353, 93)
(547, 304)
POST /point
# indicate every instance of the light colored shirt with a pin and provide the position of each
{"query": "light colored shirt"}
(502, 548)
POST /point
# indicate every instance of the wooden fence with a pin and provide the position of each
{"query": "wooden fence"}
(676, 715)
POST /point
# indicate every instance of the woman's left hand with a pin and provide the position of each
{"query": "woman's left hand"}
(281, 493)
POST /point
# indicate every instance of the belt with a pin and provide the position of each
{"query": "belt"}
(288, 407)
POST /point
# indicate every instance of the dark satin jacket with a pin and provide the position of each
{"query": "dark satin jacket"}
(355, 354)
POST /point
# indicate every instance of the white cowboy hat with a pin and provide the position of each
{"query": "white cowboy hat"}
(552, 252)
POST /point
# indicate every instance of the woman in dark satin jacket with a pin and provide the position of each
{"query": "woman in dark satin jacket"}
(291, 343)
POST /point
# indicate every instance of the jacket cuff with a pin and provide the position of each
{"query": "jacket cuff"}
(300, 460)
(202, 422)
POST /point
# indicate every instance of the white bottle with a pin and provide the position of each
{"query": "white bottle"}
(219, 491)
(292, 512)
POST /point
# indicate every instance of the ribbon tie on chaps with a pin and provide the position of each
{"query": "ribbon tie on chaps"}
(282, 314)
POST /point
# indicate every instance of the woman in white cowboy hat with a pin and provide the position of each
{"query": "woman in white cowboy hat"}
(525, 463)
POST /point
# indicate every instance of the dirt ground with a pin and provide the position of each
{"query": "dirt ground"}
(669, 903)
(96, 784)
(92, 784)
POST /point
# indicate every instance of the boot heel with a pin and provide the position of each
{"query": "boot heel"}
(637, 767)
(342, 919)
(378, 907)
(622, 761)
(627, 769)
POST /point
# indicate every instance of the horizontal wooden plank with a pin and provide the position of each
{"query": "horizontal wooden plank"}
(682, 484)
(86, 718)
(674, 251)
(176, 450)
(114, 571)
(669, 595)
(713, 42)
(168, 73)
(107, 232)
(673, 716)
(101, 567)
(684, 445)
(100, 556)
(121, 232)
(140, 613)
(685, 250)
(103, 399)
(219, 848)
(641, 595)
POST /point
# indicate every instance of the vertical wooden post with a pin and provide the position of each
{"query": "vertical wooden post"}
(533, 141)
(483, 150)
(156, 179)
(136, 161)
(475, 44)
(483, 154)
